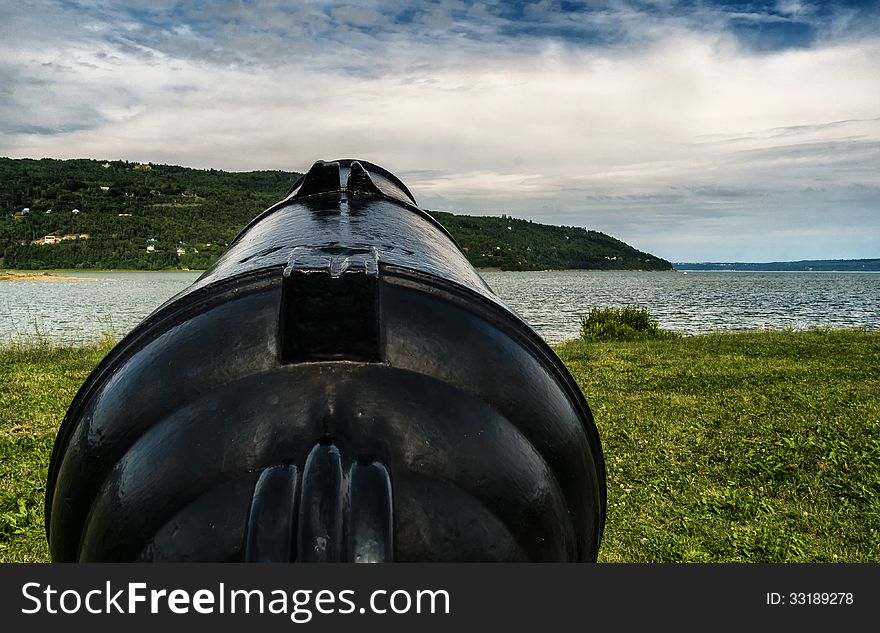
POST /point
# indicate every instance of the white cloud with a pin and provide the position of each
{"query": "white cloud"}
(684, 135)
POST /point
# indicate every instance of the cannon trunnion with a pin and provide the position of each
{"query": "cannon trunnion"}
(340, 386)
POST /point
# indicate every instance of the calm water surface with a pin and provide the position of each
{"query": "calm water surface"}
(78, 311)
(552, 302)
(695, 302)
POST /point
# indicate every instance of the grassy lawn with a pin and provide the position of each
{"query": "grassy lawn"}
(37, 383)
(729, 447)
(738, 447)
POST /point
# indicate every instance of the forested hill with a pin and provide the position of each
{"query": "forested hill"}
(512, 244)
(124, 208)
(117, 214)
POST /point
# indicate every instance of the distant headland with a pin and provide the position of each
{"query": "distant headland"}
(805, 265)
(85, 214)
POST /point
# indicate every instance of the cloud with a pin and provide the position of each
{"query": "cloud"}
(648, 122)
(29, 103)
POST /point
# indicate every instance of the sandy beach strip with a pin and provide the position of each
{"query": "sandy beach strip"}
(42, 277)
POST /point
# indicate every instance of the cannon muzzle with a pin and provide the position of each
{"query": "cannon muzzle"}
(341, 385)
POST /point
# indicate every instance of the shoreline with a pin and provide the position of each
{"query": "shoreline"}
(26, 341)
(41, 277)
(18, 271)
(17, 274)
(578, 270)
(40, 271)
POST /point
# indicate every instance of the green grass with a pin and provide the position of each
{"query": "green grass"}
(738, 447)
(37, 383)
(728, 447)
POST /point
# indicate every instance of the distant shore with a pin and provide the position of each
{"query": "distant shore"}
(22, 277)
(804, 265)
(73, 273)
(66, 273)
(577, 270)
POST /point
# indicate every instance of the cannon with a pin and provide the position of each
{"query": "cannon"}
(340, 386)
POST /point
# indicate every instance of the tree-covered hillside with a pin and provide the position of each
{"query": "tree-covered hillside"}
(512, 244)
(117, 214)
(124, 208)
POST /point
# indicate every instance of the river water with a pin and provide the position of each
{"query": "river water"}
(552, 302)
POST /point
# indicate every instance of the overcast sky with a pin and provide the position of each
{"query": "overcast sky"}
(698, 131)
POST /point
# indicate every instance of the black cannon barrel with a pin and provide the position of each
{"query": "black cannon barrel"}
(341, 385)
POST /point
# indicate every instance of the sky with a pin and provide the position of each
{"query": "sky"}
(696, 131)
